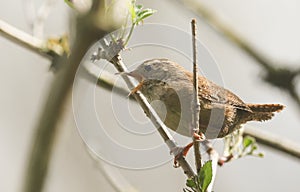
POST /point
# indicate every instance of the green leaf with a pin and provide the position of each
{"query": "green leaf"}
(205, 175)
(247, 141)
(137, 14)
(144, 14)
(190, 183)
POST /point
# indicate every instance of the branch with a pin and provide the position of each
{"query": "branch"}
(25, 40)
(49, 49)
(47, 126)
(195, 103)
(276, 142)
(45, 132)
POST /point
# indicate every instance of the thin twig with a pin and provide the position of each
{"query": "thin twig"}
(150, 112)
(45, 48)
(25, 40)
(195, 103)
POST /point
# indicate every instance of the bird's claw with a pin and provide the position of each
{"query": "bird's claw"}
(180, 152)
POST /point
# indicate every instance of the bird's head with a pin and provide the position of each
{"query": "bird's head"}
(155, 69)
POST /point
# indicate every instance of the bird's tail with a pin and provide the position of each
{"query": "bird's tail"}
(263, 112)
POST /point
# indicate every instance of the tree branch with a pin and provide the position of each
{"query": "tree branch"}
(25, 40)
(276, 142)
(47, 126)
(195, 103)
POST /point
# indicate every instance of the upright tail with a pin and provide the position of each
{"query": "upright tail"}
(263, 112)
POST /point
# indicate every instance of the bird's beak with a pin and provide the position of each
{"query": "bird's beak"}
(133, 74)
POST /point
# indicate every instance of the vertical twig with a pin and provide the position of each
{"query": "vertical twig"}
(195, 102)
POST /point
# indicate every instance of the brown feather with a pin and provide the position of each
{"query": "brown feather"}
(265, 107)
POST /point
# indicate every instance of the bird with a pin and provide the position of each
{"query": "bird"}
(221, 111)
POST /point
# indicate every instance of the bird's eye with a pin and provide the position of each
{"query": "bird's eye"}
(147, 67)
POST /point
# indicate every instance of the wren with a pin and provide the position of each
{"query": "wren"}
(221, 111)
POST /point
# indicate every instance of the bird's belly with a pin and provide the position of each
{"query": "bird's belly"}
(177, 113)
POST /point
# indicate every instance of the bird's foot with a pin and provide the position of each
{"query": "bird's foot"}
(183, 151)
(180, 152)
(199, 137)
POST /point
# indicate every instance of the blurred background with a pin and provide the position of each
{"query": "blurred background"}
(270, 27)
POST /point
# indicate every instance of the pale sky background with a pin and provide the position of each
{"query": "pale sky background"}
(270, 26)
